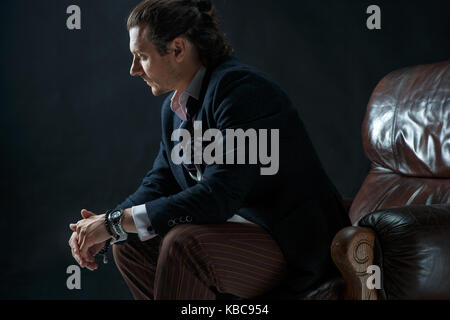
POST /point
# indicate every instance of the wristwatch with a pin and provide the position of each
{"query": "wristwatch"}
(115, 218)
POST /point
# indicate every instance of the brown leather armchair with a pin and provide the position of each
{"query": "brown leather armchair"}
(401, 214)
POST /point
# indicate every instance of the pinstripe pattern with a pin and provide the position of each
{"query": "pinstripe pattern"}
(195, 261)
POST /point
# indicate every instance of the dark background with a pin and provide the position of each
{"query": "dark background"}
(78, 132)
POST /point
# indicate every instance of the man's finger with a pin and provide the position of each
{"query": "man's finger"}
(72, 241)
(73, 226)
(86, 214)
(81, 236)
(75, 250)
(77, 258)
(86, 257)
(84, 251)
(92, 266)
(78, 226)
(83, 241)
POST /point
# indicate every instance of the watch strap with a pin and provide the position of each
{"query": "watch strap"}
(108, 226)
(116, 224)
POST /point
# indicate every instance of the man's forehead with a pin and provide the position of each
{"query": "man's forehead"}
(138, 39)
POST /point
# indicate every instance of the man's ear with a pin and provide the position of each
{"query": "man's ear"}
(178, 47)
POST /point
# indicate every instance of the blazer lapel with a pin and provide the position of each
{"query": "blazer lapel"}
(177, 170)
(197, 105)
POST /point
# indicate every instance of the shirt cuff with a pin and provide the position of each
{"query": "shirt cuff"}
(142, 222)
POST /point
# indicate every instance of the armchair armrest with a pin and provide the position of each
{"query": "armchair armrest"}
(413, 244)
(410, 244)
(352, 252)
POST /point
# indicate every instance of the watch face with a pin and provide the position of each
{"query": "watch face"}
(115, 215)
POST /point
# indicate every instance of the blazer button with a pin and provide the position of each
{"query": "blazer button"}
(171, 223)
(188, 219)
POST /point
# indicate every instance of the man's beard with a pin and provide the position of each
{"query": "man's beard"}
(157, 91)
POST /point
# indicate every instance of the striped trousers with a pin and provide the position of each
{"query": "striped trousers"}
(198, 261)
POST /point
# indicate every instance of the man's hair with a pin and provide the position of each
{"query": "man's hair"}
(195, 19)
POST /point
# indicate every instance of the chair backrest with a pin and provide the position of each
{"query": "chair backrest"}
(406, 136)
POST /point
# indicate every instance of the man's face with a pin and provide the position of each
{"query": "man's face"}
(156, 70)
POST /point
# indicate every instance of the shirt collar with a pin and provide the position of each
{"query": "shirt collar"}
(193, 90)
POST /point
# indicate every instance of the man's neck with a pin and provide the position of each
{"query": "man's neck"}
(189, 73)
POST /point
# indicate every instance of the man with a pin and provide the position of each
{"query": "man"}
(218, 227)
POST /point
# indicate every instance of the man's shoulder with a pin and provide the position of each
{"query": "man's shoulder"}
(232, 74)
(231, 69)
(233, 77)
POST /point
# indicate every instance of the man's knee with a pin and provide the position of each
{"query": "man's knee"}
(124, 253)
(179, 241)
(120, 254)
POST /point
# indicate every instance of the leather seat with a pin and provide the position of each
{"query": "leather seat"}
(401, 214)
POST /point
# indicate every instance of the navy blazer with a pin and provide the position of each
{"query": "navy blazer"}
(299, 205)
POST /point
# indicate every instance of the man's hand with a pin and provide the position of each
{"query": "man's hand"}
(73, 243)
(88, 239)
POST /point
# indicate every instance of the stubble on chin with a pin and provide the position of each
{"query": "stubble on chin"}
(159, 91)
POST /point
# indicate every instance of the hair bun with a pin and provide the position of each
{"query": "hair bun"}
(204, 5)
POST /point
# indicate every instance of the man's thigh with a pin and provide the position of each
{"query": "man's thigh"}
(237, 258)
(144, 253)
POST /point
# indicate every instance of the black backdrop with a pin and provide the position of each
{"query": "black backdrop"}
(78, 132)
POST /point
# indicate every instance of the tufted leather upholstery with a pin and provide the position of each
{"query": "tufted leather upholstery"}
(406, 135)
(414, 250)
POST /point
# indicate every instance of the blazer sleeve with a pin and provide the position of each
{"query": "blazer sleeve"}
(223, 188)
(158, 182)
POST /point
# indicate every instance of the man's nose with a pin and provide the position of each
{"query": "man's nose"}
(135, 69)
